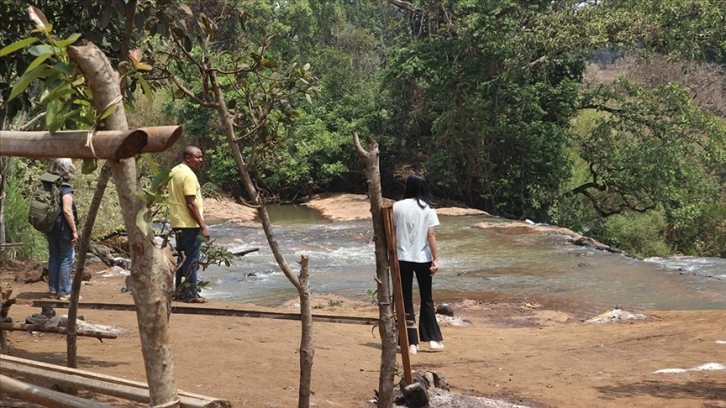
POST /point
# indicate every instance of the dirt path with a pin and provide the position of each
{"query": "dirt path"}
(515, 351)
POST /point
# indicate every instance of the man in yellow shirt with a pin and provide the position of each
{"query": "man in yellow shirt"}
(186, 215)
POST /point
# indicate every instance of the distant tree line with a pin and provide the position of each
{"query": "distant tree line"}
(494, 101)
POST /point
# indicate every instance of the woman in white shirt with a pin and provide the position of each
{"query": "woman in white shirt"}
(415, 219)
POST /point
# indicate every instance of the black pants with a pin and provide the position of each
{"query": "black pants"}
(428, 328)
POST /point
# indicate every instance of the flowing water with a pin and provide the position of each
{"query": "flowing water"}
(475, 263)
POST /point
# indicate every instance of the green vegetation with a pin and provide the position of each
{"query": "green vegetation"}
(17, 228)
(493, 100)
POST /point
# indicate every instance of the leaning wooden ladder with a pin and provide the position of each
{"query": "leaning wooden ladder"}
(397, 292)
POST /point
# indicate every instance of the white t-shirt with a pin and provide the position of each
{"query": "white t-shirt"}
(412, 225)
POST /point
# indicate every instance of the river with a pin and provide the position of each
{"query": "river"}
(480, 264)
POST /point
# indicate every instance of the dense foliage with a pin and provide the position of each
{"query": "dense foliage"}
(492, 100)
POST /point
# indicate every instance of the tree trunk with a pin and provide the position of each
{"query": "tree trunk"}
(71, 338)
(387, 322)
(151, 279)
(301, 284)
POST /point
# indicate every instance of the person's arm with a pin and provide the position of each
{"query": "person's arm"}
(196, 215)
(67, 202)
(431, 237)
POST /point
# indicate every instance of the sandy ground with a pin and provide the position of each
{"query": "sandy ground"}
(516, 351)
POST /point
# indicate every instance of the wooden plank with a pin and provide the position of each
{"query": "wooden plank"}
(100, 383)
(397, 291)
(210, 311)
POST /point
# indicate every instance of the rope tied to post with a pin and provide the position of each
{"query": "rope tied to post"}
(99, 117)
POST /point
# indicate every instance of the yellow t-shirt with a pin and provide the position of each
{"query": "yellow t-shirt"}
(183, 183)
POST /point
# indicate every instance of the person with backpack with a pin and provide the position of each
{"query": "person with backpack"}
(63, 235)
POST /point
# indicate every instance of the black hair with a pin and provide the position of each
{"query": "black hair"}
(417, 187)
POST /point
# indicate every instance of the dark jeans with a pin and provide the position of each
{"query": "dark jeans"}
(428, 327)
(189, 248)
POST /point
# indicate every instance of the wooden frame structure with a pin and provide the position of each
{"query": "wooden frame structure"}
(85, 380)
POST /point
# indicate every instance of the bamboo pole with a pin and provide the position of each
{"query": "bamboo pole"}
(98, 383)
(397, 291)
(44, 396)
(105, 144)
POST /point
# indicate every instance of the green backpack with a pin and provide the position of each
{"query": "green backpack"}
(45, 204)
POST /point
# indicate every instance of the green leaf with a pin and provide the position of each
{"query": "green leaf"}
(11, 48)
(160, 180)
(142, 66)
(61, 120)
(22, 83)
(89, 166)
(40, 49)
(68, 41)
(37, 61)
(64, 68)
(107, 112)
(52, 110)
(141, 196)
(147, 90)
(56, 93)
(81, 102)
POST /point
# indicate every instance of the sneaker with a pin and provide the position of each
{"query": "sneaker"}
(436, 346)
(52, 295)
(412, 349)
(67, 298)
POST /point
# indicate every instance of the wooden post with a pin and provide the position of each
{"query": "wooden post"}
(397, 291)
(6, 303)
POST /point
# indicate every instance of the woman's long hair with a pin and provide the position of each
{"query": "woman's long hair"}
(417, 187)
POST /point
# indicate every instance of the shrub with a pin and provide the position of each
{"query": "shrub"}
(17, 229)
(639, 234)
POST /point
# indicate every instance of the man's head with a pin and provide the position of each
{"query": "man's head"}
(193, 157)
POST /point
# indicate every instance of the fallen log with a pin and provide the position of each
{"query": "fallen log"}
(55, 329)
(99, 383)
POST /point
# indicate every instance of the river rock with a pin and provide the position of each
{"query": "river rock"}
(445, 309)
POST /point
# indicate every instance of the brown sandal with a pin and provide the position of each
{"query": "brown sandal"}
(196, 300)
